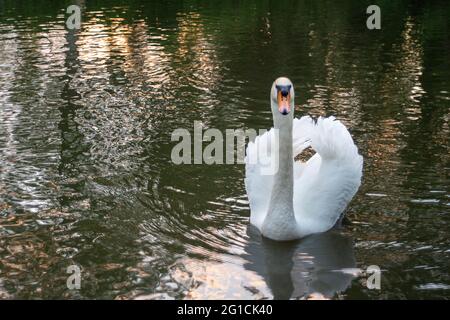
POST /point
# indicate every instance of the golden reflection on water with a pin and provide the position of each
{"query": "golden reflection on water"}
(94, 49)
(147, 57)
(216, 280)
(401, 78)
(196, 48)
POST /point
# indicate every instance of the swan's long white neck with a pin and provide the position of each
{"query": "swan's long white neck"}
(280, 222)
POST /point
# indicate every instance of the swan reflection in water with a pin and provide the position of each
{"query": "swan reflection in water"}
(320, 265)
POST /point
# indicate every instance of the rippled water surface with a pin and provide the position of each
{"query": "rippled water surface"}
(86, 118)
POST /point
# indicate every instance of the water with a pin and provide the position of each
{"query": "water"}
(85, 123)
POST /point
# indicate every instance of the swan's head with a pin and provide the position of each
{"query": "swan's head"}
(282, 97)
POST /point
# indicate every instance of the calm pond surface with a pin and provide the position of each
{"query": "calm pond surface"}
(86, 118)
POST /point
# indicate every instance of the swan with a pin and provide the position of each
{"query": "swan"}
(298, 199)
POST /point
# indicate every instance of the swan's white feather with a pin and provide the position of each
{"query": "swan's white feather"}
(259, 186)
(323, 186)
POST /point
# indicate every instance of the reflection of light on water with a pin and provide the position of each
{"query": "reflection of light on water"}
(44, 52)
(27, 127)
(338, 93)
(412, 62)
(433, 286)
(383, 152)
(93, 44)
(119, 36)
(216, 280)
(403, 78)
(107, 56)
(147, 57)
(8, 111)
(196, 48)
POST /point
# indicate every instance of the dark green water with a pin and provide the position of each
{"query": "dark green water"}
(86, 118)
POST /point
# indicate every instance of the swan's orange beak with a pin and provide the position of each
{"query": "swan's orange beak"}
(284, 102)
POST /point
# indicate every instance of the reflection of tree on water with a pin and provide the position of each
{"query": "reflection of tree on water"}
(315, 265)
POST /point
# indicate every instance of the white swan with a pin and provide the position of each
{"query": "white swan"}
(300, 199)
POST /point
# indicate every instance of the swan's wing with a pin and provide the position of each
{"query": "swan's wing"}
(328, 137)
(258, 184)
(325, 184)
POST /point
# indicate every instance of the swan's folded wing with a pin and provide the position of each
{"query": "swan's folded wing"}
(331, 139)
(330, 178)
(327, 136)
(258, 180)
